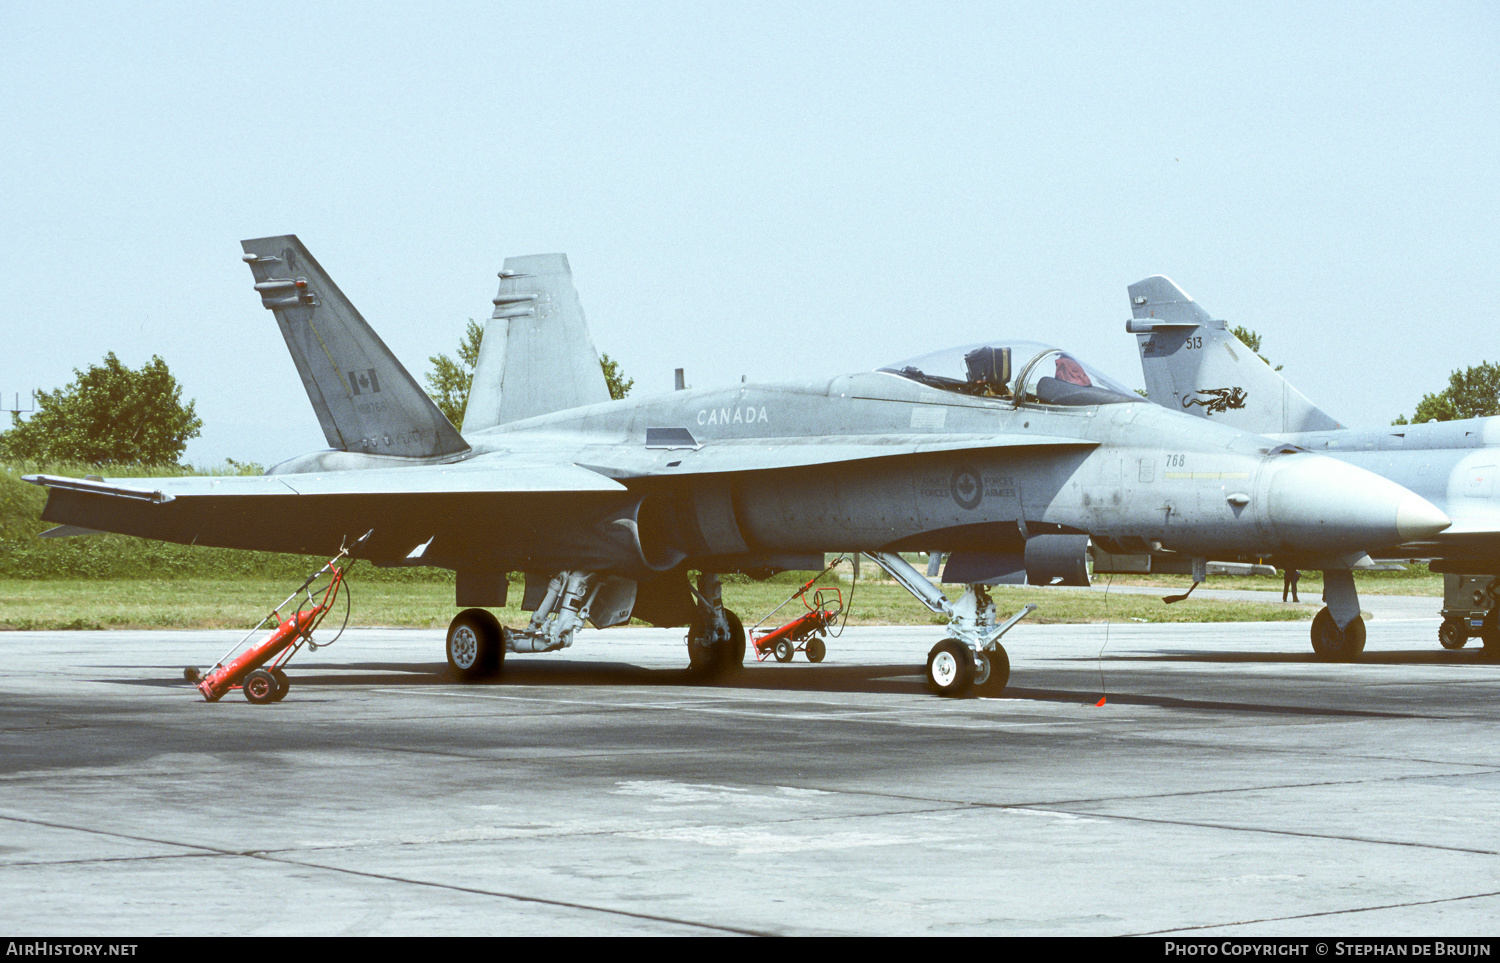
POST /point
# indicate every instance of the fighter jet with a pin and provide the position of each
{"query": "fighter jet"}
(1006, 454)
(1193, 363)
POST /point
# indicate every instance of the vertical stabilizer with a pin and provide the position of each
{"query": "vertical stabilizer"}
(536, 356)
(1194, 363)
(365, 400)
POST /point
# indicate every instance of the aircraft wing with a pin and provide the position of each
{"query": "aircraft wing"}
(315, 512)
(412, 480)
(505, 504)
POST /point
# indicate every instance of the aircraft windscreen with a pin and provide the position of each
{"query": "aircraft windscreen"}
(1021, 371)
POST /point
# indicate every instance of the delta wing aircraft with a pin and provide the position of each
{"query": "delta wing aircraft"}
(1193, 363)
(1006, 454)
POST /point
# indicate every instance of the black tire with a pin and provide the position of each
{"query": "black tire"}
(192, 673)
(736, 660)
(785, 650)
(283, 684)
(1453, 633)
(816, 649)
(259, 687)
(950, 668)
(1489, 632)
(475, 644)
(994, 673)
(1332, 645)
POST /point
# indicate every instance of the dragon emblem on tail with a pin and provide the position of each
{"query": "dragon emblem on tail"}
(1216, 400)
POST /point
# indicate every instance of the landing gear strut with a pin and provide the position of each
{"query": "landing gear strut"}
(716, 639)
(971, 656)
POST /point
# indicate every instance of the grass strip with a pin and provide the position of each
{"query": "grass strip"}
(59, 604)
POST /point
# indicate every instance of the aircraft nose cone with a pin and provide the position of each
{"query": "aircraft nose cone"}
(1317, 504)
(1417, 518)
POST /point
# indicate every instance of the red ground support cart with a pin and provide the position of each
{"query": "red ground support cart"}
(259, 670)
(806, 633)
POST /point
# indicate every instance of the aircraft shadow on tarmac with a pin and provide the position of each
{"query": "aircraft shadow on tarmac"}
(866, 679)
(1472, 656)
(524, 673)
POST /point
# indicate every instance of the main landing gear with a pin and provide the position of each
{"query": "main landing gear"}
(716, 638)
(971, 657)
(476, 643)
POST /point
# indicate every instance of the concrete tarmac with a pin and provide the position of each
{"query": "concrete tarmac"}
(1229, 785)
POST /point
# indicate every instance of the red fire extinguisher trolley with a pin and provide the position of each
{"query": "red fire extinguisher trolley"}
(258, 670)
(808, 632)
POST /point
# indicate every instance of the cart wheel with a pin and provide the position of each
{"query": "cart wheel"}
(192, 673)
(1453, 633)
(816, 649)
(785, 650)
(260, 687)
(282, 683)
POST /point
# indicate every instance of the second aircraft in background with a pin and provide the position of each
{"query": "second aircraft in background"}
(1193, 363)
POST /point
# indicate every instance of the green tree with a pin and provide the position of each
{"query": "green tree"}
(1252, 341)
(619, 385)
(1471, 393)
(449, 381)
(109, 415)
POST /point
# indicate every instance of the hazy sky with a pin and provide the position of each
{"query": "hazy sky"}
(772, 190)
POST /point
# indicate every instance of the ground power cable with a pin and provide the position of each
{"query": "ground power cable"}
(1099, 658)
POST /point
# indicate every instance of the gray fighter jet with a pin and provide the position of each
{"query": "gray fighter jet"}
(1193, 363)
(1007, 454)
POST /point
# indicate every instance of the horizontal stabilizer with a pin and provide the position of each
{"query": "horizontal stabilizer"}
(365, 399)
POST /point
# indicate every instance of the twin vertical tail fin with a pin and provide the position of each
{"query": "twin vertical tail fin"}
(365, 400)
(536, 356)
(1194, 363)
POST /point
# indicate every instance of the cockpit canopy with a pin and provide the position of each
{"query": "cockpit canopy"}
(1018, 371)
